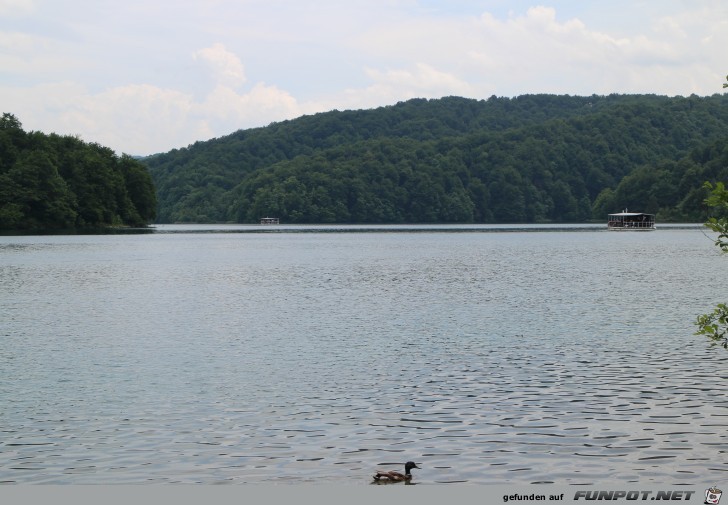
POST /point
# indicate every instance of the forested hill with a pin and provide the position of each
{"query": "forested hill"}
(533, 158)
(52, 182)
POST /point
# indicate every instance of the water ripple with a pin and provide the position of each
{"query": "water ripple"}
(488, 358)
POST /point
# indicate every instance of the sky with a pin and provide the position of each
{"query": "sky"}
(148, 76)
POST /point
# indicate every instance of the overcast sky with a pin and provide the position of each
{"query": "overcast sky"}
(147, 76)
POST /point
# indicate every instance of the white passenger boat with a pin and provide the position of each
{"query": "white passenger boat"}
(636, 221)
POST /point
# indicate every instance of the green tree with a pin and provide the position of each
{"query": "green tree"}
(50, 182)
(714, 325)
(36, 197)
(718, 200)
(10, 122)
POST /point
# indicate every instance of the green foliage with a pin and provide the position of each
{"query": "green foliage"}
(10, 122)
(715, 324)
(533, 158)
(50, 182)
(39, 193)
(718, 200)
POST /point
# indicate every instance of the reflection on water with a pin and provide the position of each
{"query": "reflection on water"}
(515, 357)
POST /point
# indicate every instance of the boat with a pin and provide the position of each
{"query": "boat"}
(269, 220)
(635, 221)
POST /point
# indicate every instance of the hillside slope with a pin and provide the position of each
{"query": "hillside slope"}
(534, 158)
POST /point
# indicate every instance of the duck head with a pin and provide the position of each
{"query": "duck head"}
(409, 466)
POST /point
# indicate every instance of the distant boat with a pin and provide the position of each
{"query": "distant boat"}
(269, 220)
(635, 221)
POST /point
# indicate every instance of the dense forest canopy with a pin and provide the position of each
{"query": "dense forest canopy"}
(533, 158)
(52, 182)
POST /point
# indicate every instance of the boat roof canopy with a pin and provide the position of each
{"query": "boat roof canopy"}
(631, 214)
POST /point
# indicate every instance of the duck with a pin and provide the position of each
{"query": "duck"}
(392, 476)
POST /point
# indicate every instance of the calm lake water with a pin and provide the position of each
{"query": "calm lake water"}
(488, 355)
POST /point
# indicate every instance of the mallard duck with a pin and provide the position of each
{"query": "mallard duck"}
(392, 476)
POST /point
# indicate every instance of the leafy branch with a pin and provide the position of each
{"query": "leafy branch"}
(715, 324)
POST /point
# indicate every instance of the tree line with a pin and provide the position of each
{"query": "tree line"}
(533, 158)
(53, 182)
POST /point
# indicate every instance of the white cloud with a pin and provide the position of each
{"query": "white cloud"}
(33, 58)
(143, 118)
(146, 78)
(16, 7)
(418, 81)
(115, 116)
(134, 118)
(225, 110)
(536, 52)
(227, 66)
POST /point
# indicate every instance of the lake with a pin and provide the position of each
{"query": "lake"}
(249, 354)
